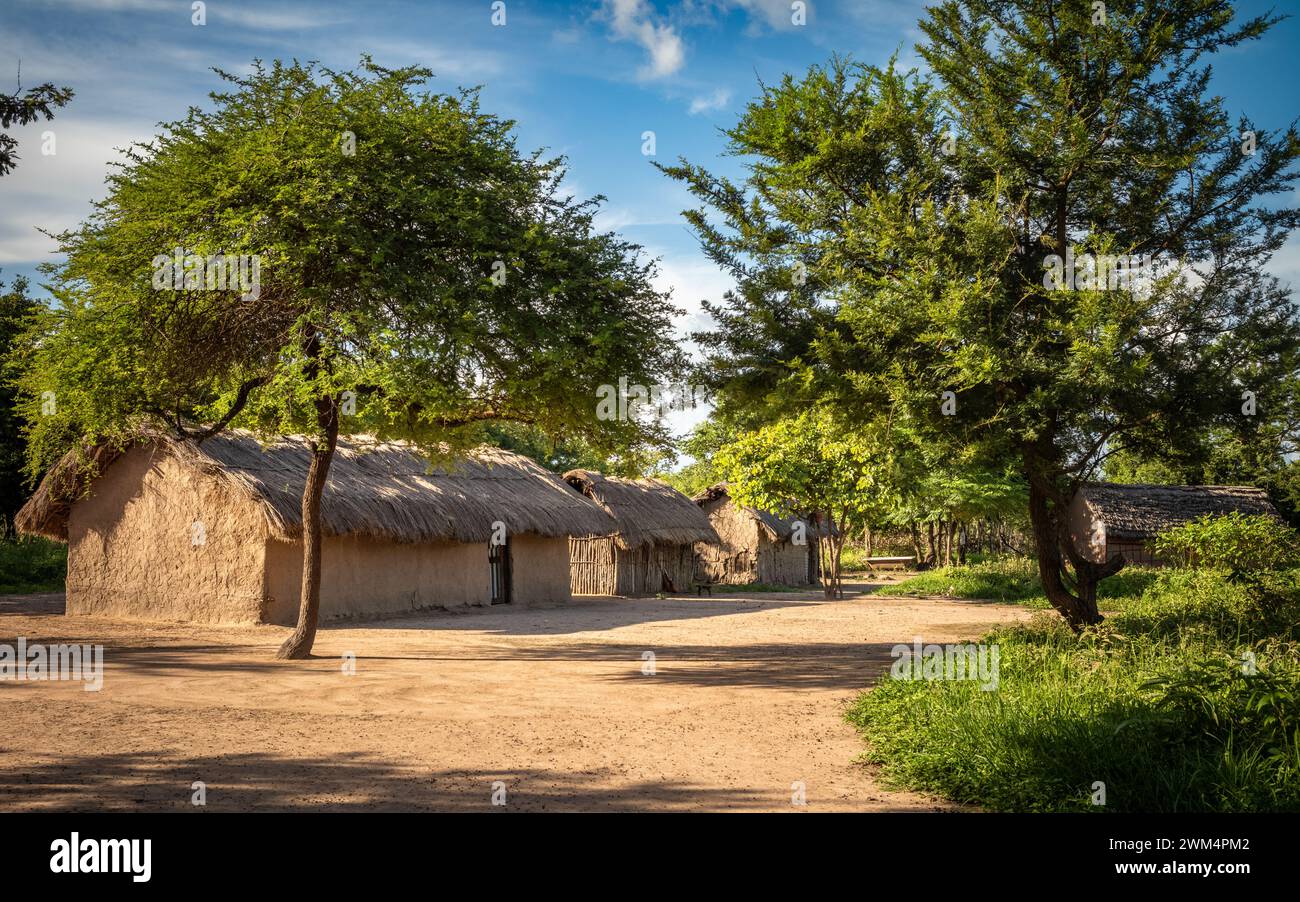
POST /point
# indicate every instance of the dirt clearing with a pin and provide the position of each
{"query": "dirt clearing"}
(745, 700)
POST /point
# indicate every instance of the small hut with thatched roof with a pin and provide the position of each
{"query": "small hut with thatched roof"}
(170, 529)
(654, 547)
(757, 546)
(1110, 519)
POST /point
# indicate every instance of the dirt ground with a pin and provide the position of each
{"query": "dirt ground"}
(746, 699)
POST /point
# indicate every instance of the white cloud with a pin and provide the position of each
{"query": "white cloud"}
(280, 20)
(55, 192)
(1286, 262)
(706, 103)
(691, 278)
(631, 20)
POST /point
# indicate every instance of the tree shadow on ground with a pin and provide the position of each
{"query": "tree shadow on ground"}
(767, 665)
(605, 612)
(160, 781)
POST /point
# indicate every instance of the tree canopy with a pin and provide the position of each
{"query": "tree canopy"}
(900, 245)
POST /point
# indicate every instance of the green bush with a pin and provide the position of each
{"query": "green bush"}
(1187, 699)
(1236, 542)
(853, 558)
(32, 565)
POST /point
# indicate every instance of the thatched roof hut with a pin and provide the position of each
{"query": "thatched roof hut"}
(646, 510)
(400, 533)
(776, 527)
(757, 545)
(1110, 519)
(653, 548)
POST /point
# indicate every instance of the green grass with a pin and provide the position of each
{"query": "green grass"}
(853, 559)
(1156, 703)
(32, 565)
(1014, 579)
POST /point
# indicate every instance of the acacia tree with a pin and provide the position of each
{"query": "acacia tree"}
(412, 263)
(905, 224)
(810, 467)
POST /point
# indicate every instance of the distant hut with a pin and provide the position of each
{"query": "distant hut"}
(1109, 519)
(757, 546)
(653, 549)
(169, 529)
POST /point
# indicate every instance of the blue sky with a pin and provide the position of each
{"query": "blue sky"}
(584, 79)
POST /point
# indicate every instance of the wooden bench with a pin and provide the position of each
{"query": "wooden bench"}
(891, 563)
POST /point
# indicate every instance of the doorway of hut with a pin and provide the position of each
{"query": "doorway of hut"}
(499, 570)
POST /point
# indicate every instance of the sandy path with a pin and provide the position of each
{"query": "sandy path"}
(747, 699)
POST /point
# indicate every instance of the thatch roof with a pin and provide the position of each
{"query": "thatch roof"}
(383, 490)
(1142, 511)
(647, 511)
(778, 528)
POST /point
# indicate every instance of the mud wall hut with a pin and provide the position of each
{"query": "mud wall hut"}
(756, 546)
(1109, 519)
(653, 550)
(168, 529)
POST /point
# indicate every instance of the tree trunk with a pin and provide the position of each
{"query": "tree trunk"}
(1052, 546)
(963, 536)
(932, 558)
(837, 549)
(299, 645)
(916, 545)
(828, 575)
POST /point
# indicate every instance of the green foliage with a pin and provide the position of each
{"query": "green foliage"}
(853, 558)
(1198, 679)
(808, 466)
(377, 277)
(1234, 541)
(17, 310)
(801, 465)
(532, 442)
(702, 444)
(31, 564)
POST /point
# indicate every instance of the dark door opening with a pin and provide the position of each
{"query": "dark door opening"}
(499, 570)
